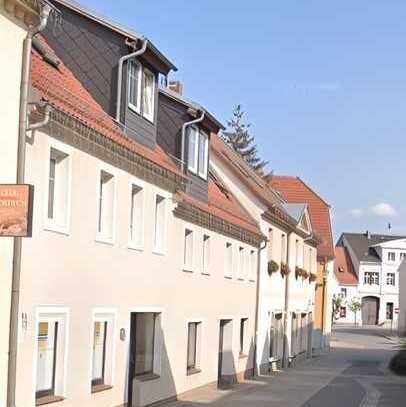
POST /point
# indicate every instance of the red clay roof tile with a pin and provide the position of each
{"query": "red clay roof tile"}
(294, 190)
(343, 268)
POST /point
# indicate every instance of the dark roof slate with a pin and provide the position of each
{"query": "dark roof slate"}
(361, 244)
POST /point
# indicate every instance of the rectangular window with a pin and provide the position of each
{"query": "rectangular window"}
(58, 188)
(206, 254)
(188, 250)
(270, 245)
(390, 279)
(192, 345)
(148, 91)
(389, 311)
(229, 261)
(50, 358)
(99, 352)
(134, 88)
(193, 147)
(46, 361)
(160, 220)
(371, 278)
(136, 216)
(343, 293)
(252, 265)
(144, 343)
(402, 256)
(283, 249)
(391, 256)
(240, 263)
(106, 206)
(343, 312)
(243, 333)
(297, 254)
(203, 154)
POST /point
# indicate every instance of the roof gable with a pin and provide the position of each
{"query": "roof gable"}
(343, 267)
(295, 190)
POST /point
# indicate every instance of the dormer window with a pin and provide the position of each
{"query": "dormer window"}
(141, 90)
(198, 152)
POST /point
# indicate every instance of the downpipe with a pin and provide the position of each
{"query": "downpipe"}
(120, 74)
(17, 248)
(285, 359)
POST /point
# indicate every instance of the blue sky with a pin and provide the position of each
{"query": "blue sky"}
(323, 84)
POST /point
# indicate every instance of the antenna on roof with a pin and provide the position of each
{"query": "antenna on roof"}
(389, 226)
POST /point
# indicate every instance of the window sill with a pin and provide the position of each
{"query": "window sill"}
(228, 277)
(187, 269)
(98, 388)
(135, 247)
(205, 273)
(193, 371)
(134, 108)
(158, 252)
(240, 279)
(57, 229)
(108, 242)
(147, 377)
(42, 401)
(251, 281)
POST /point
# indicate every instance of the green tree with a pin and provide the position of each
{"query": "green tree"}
(337, 304)
(354, 307)
(239, 138)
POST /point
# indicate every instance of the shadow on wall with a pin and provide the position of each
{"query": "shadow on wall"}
(157, 383)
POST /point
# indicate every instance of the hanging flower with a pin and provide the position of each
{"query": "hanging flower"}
(313, 277)
(284, 269)
(273, 267)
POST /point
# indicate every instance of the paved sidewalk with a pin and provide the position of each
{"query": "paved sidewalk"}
(353, 374)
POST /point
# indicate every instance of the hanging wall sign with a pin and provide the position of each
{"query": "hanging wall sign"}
(16, 210)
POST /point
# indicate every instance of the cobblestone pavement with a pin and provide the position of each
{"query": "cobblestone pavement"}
(354, 374)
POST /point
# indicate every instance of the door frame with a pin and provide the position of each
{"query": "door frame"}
(365, 300)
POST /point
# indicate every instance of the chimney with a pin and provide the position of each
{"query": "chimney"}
(176, 86)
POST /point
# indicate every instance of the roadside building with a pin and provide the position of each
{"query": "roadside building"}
(140, 280)
(294, 190)
(287, 264)
(15, 18)
(375, 260)
(345, 286)
(402, 299)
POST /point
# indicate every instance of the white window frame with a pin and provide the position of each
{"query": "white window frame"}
(205, 136)
(108, 315)
(391, 277)
(199, 343)
(133, 107)
(246, 338)
(100, 238)
(206, 265)
(146, 71)
(50, 225)
(252, 265)
(390, 255)
(188, 267)
(228, 268)
(48, 314)
(131, 244)
(193, 166)
(160, 250)
(240, 263)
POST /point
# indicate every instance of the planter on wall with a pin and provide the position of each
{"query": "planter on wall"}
(273, 267)
(313, 277)
(284, 269)
(300, 272)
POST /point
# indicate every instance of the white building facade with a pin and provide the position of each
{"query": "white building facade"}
(375, 260)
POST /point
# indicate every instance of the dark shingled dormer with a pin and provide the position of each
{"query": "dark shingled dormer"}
(174, 111)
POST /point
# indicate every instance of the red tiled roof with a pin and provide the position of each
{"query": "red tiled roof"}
(63, 91)
(294, 190)
(343, 268)
(225, 206)
(245, 173)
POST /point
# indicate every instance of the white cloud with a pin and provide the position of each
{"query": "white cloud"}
(384, 210)
(356, 212)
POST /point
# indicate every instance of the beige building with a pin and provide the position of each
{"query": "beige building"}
(402, 299)
(288, 263)
(139, 283)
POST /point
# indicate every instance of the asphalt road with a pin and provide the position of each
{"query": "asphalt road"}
(354, 374)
